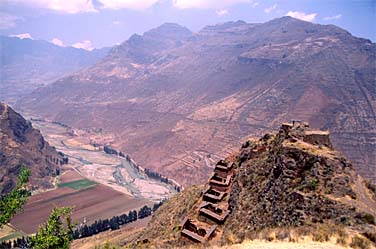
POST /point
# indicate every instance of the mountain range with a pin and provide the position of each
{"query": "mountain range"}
(27, 64)
(177, 100)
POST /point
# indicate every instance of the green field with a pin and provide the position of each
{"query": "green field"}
(79, 184)
(12, 236)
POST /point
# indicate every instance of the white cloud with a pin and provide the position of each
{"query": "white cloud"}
(221, 12)
(8, 21)
(328, 18)
(116, 22)
(64, 6)
(58, 42)
(302, 16)
(23, 36)
(206, 4)
(127, 4)
(87, 45)
(255, 4)
(270, 9)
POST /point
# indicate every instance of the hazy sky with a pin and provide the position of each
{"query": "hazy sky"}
(98, 23)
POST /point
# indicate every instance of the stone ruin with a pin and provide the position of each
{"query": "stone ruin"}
(212, 195)
(196, 233)
(214, 207)
(301, 130)
(219, 182)
(214, 212)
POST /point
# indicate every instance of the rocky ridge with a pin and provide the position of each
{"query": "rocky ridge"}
(284, 186)
(21, 144)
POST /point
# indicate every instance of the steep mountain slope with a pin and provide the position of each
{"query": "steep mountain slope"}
(20, 144)
(27, 64)
(178, 101)
(285, 186)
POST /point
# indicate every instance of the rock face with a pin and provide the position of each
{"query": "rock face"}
(23, 145)
(279, 182)
(177, 101)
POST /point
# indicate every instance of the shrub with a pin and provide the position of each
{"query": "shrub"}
(367, 218)
(312, 184)
(370, 236)
(361, 243)
(341, 241)
(322, 233)
(283, 234)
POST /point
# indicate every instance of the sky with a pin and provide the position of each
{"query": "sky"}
(92, 24)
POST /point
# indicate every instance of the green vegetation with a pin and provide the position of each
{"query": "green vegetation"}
(57, 232)
(13, 202)
(11, 236)
(79, 184)
(107, 245)
(367, 218)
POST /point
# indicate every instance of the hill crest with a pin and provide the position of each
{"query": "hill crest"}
(289, 181)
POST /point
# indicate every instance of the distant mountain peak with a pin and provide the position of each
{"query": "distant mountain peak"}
(225, 26)
(171, 30)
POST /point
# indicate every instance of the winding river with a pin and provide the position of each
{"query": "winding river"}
(120, 173)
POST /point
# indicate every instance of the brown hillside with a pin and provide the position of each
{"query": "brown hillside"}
(21, 145)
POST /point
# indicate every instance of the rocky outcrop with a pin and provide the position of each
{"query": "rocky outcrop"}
(21, 145)
(282, 181)
(292, 179)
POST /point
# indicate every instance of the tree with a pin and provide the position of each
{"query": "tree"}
(13, 202)
(57, 232)
(145, 211)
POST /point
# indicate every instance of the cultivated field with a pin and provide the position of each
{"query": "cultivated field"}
(90, 203)
(7, 233)
(78, 184)
(69, 175)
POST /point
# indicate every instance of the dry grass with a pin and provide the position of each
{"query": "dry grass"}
(322, 233)
(312, 149)
(359, 242)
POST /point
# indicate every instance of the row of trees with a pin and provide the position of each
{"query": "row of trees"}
(109, 150)
(23, 242)
(115, 222)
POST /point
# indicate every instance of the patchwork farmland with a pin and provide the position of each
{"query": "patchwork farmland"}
(91, 201)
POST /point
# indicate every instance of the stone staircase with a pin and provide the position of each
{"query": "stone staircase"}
(213, 208)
